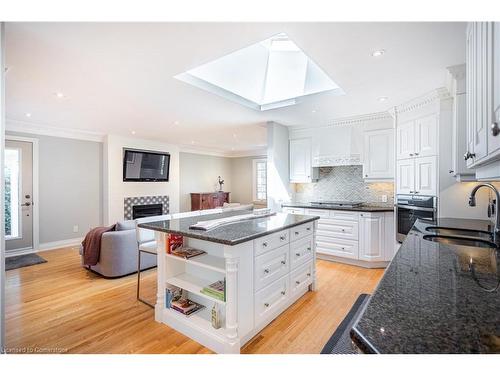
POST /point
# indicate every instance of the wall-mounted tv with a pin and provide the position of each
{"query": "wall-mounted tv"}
(141, 165)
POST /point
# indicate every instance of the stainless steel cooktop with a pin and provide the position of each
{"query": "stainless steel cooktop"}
(348, 204)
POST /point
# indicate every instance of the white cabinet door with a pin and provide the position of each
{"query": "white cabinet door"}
(470, 77)
(425, 176)
(379, 154)
(426, 136)
(372, 235)
(405, 134)
(494, 45)
(300, 160)
(405, 183)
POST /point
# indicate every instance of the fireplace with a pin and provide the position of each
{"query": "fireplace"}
(145, 210)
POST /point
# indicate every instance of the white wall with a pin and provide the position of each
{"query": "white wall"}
(2, 222)
(278, 177)
(115, 189)
(199, 173)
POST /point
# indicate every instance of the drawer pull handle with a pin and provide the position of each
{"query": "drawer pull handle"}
(266, 270)
(296, 233)
(343, 230)
(343, 248)
(297, 254)
(283, 262)
(264, 244)
(283, 238)
(266, 304)
(308, 228)
(309, 274)
(297, 282)
(309, 248)
(283, 292)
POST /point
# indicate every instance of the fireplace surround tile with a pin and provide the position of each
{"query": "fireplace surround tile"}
(129, 202)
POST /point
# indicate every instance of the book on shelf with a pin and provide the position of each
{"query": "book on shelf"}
(173, 242)
(186, 306)
(172, 293)
(216, 290)
(187, 252)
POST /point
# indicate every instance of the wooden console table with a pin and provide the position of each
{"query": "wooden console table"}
(205, 201)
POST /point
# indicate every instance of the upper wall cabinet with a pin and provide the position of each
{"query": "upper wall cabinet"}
(483, 98)
(417, 138)
(301, 170)
(378, 154)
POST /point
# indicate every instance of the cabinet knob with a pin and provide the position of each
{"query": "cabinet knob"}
(266, 304)
(366, 175)
(411, 154)
(416, 153)
(495, 129)
(282, 238)
(266, 270)
(297, 282)
(451, 171)
(283, 262)
(469, 155)
(297, 254)
(309, 248)
(264, 244)
(309, 274)
(296, 233)
(283, 292)
(308, 228)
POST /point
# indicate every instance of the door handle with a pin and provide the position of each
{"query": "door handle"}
(27, 204)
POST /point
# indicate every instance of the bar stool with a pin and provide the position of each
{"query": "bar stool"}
(146, 243)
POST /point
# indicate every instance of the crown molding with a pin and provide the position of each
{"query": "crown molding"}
(349, 121)
(41, 129)
(199, 150)
(432, 97)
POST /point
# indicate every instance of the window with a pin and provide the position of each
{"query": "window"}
(259, 180)
(12, 193)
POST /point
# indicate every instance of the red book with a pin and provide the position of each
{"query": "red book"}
(174, 241)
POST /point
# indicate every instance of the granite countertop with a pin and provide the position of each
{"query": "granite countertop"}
(230, 234)
(431, 301)
(365, 207)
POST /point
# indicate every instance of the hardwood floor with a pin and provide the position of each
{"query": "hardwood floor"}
(60, 307)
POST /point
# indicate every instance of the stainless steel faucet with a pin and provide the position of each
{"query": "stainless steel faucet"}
(472, 203)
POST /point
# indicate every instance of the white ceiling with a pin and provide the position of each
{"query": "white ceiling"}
(118, 77)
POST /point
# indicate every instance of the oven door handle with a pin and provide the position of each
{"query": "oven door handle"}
(416, 208)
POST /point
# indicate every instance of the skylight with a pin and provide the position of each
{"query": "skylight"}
(270, 74)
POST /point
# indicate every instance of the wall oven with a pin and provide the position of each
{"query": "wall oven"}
(409, 208)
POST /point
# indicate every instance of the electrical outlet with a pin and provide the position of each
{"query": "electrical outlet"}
(75, 228)
(384, 198)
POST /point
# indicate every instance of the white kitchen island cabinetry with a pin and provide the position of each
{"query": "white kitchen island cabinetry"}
(267, 264)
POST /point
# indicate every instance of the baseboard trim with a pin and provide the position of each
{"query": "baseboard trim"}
(46, 246)
(352, 262)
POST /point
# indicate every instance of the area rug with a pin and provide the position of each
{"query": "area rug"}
(340, 342)
(25, 260)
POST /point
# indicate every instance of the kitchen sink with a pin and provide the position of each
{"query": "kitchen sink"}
(443, 231)
(463, 241)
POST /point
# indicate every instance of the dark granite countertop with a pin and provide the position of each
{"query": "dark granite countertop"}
(430, 300)
(365, 207)
(230, 234)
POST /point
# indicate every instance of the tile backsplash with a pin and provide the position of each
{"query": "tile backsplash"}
(344, 183)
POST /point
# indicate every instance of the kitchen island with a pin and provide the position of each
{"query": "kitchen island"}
(436, 297)
(267, 264)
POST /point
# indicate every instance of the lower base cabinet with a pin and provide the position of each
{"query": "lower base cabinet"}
(371, 237)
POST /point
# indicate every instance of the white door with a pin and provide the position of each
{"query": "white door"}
(405, 134)
(379, 154)
(371, 238)
(300, 160)
(426, 136)
(18, 195)
(425, 175)
(405, 183)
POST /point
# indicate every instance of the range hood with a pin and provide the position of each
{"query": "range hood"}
(337, 146)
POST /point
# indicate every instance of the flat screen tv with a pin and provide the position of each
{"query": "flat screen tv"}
(140, 165)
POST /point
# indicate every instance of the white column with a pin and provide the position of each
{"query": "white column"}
(232, 298)
(160, 275)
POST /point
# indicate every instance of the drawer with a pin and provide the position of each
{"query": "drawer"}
(293, 210)
(317, 212)
(301, 251)
(270, 301)
(300, 279)
(301, 231)
(344, 215)
(339, 229)
(271, 242)
(336, 246)
(271, 266)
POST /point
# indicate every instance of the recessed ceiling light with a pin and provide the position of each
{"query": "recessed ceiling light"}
(192, 142)
(378, 53)
(313, 111)
(232, 148)
(382, 98)
(234, 135)
(176, 122)
(133, 132)
(28, 114)
(59, 95)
